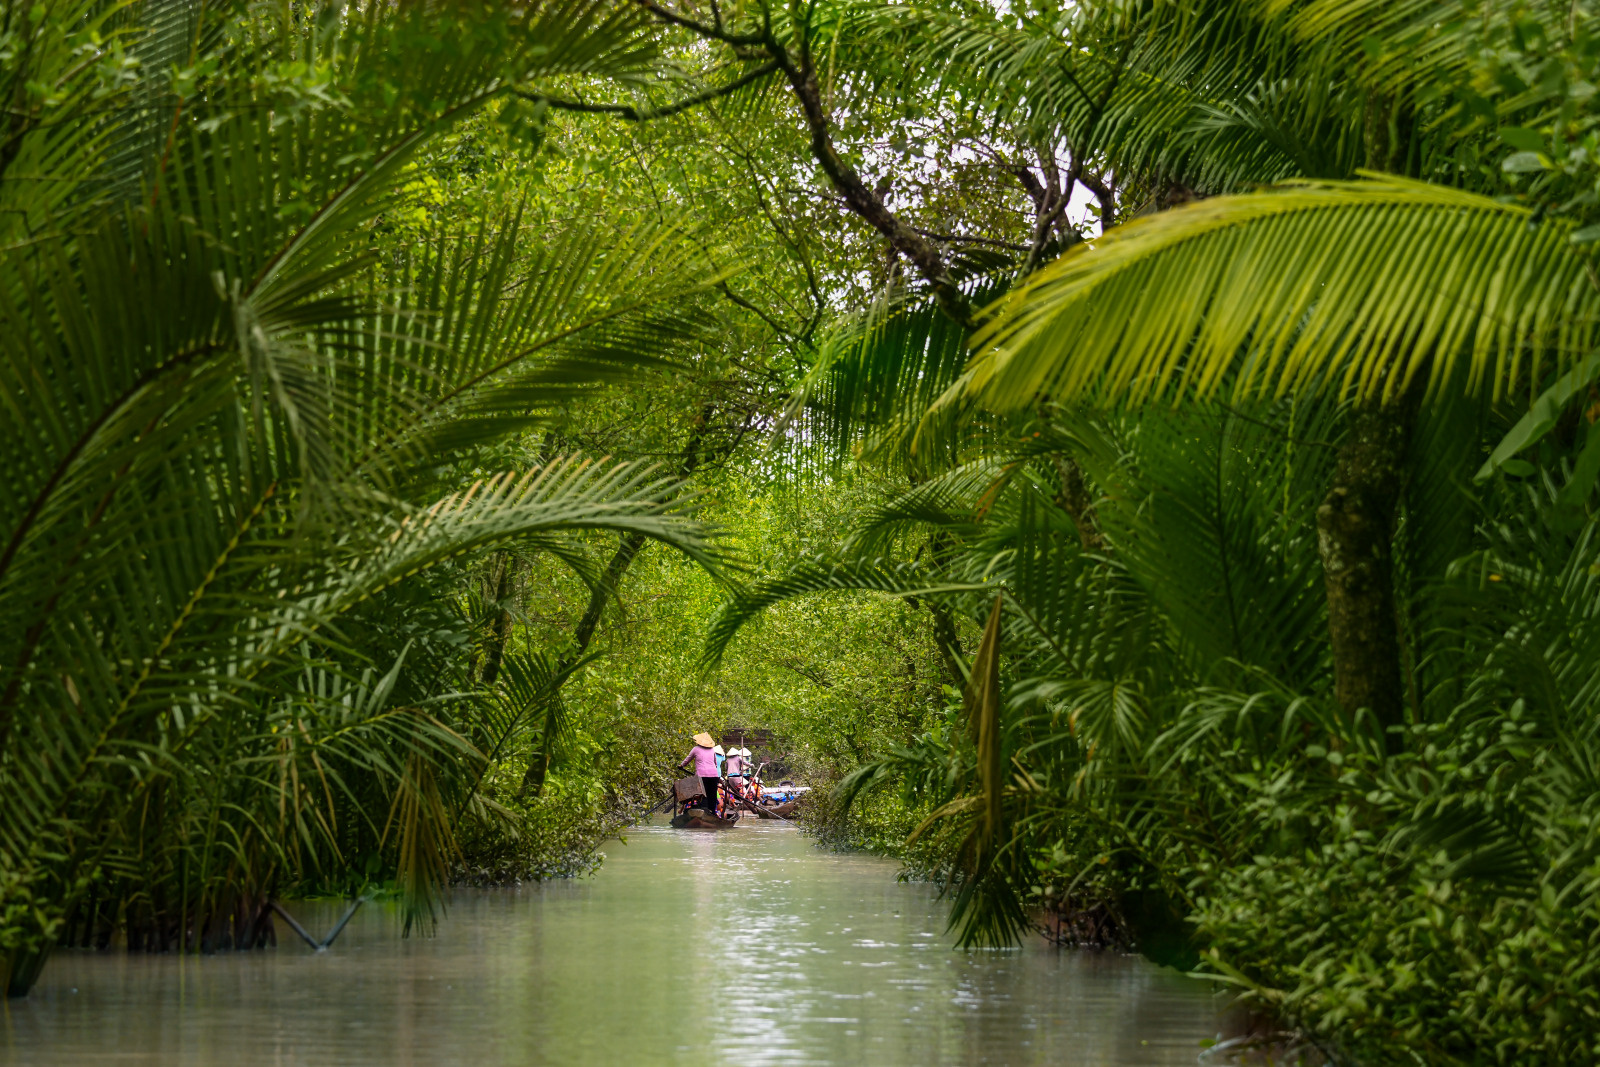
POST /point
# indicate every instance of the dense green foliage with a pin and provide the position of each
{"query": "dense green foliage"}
(1145, 452)
(243, 408)
(310, 317)
(1352, 252)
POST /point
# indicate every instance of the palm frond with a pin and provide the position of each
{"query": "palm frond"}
(1542, 415)
(1399, 46)
(821, 576)
(874, 380)
(1371, 284)
(222, 407)
(1214, 95)
(951, 501)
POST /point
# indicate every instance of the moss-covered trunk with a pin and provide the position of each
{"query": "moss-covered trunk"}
(1355, 535)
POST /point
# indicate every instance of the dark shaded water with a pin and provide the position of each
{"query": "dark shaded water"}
(748, 946)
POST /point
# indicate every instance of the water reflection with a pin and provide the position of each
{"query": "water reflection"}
(742, 947)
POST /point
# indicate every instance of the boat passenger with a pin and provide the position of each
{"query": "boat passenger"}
(704, 757)
(733, 769)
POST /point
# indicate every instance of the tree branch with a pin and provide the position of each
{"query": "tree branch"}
(1032, 185)
(628, 548)
(633, 114)
(1054, 207)
(813, 676)
(772, 323)
(963, 239)
(714, 32)
(862, 200)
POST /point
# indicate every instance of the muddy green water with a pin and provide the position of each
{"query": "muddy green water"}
(749, 946)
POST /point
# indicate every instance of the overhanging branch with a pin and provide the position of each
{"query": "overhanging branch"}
(862, 201)
(629, 113)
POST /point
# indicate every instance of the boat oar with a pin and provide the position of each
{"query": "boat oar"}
(771, 814)
(752, 806)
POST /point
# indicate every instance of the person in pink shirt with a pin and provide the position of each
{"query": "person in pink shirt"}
(704, 758)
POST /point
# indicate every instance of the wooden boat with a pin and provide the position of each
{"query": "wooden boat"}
(776, 811)
(701, 819)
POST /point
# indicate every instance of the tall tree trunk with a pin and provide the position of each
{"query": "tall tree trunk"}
(945, 635)
(494, 652)
(948, 642)
(629, 546)
(539, 766)
(1355, 523)
(1078, 502)
(1355, 532)
(1389, 130)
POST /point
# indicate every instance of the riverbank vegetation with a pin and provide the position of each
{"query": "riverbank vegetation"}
(1146, 453)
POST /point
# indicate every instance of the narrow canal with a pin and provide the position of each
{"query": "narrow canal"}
(748, 946)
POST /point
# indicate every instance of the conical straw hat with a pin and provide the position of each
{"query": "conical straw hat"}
(704, 739)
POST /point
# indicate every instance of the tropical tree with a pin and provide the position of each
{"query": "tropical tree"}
(240, 397)
(1218, 466)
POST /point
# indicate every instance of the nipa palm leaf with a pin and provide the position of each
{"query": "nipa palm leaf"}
(1370, 284)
